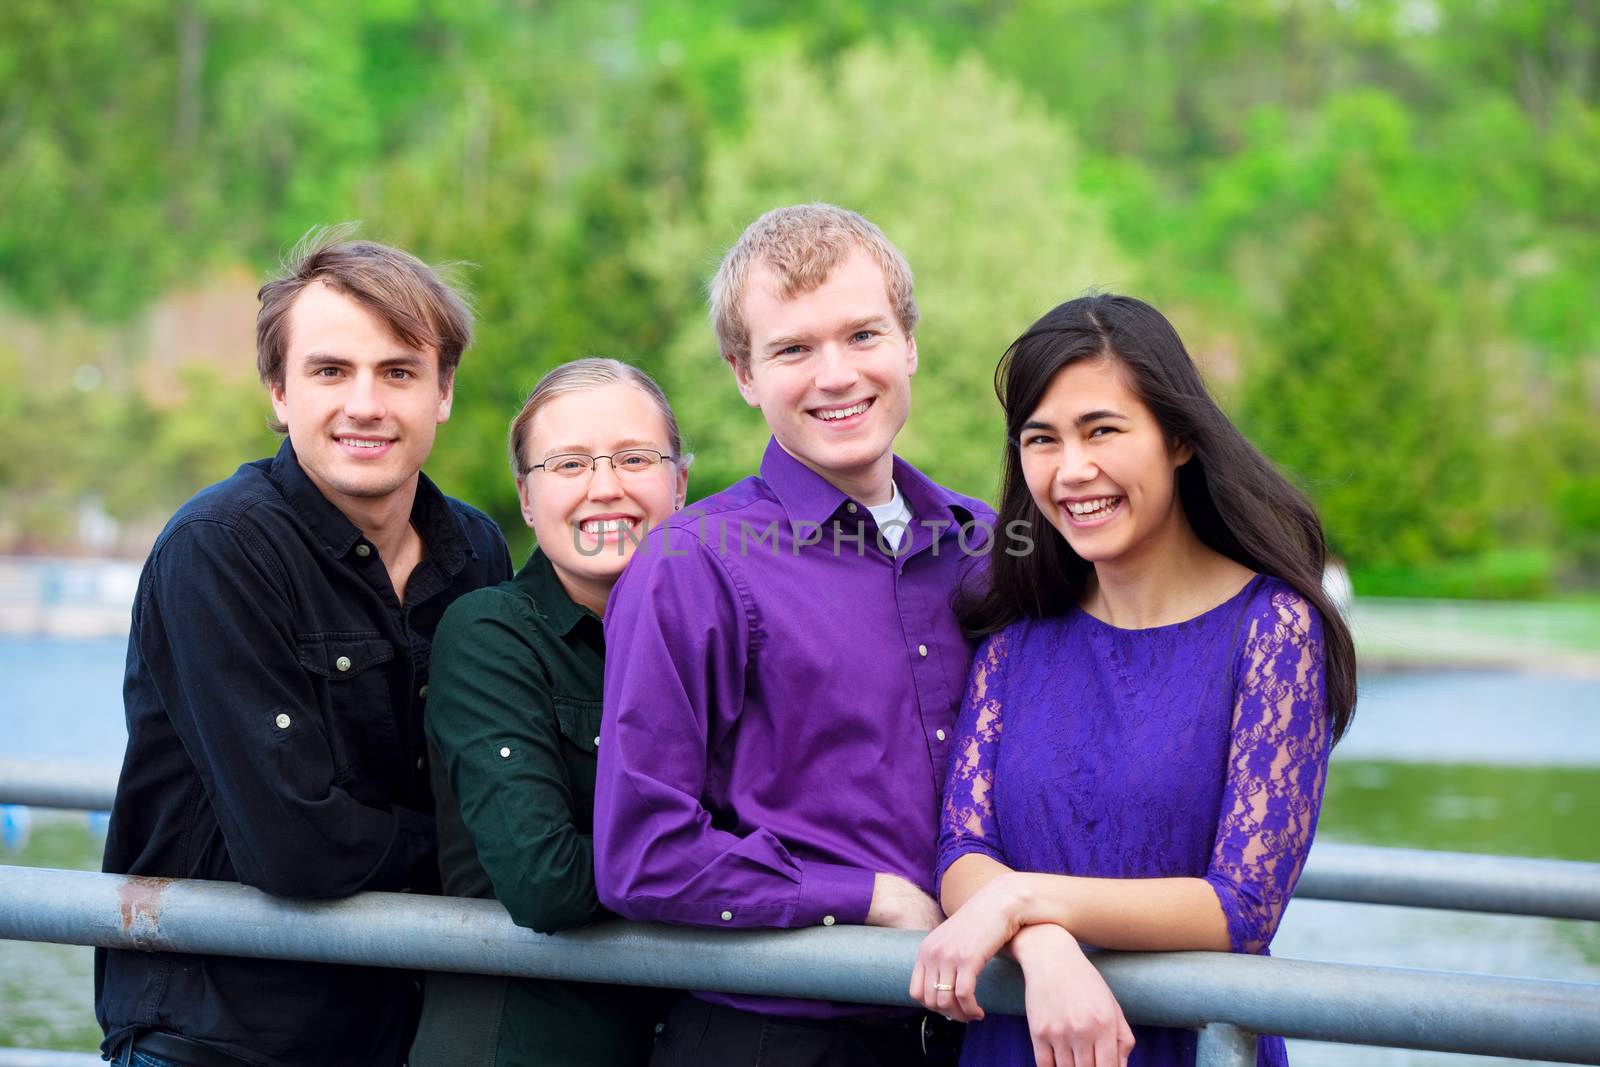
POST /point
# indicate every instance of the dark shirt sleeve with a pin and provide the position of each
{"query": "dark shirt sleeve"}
(491, 717)
(215, 626)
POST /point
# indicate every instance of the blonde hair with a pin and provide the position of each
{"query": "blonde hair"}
(802, 245)
(578, 376)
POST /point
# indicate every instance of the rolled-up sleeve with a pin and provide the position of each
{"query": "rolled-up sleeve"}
(678, 638)
(215, 629)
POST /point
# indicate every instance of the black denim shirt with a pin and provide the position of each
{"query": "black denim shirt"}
(274, 696)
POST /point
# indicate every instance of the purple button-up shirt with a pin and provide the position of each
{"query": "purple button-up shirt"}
(780, 701)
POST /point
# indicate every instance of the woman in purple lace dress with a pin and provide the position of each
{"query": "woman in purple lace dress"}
(1145, 737)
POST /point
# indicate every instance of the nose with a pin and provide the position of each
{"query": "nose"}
(1075, 466)
(836, 372)
(603, 481)
(362, 402)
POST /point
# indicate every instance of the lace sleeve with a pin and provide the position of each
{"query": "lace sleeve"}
(968, 822)
(1277, 763)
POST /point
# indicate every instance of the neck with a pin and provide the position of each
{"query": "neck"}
(1170, 578)
(585, 593)
(385, 520)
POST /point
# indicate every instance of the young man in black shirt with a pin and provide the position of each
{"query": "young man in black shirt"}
(278, 668)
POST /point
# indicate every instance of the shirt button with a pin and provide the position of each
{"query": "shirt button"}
(363, 551)
(827, 920)
(423, 692)
(419, 763)
(343, 663)
(661, 1027)
(597, 742)
(282, 721)
(505, 752)
(939, 734)
(922, 650)
(851, 508)
(727, 916)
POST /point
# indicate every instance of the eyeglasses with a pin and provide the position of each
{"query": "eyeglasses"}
(628, 461)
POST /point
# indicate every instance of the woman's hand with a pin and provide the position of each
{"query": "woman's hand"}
(945, 978)
(1072, 1017)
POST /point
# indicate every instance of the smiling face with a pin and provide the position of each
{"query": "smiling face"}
(589, 525)
(361, 407)
(831, 372)
(1099, 466)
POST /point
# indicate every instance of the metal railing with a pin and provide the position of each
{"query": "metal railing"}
(1505, 885)
(1227, 997)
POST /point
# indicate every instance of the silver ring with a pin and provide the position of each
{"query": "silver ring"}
(943, 987)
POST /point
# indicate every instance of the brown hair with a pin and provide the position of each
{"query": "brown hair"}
(416, 302)
(590, 373)
(802, 245)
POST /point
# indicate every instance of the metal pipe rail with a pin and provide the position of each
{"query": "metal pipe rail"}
(1218, 993)
(1555, 889)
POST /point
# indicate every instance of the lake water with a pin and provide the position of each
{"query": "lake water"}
(1472, 761)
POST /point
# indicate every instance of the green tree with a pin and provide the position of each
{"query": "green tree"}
(1356, 402)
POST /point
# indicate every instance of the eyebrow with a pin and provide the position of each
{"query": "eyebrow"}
(876, 321)
(410, 360)
(622, 446)
(1086, 417)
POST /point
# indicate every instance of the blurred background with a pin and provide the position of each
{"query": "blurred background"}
(1374, 222)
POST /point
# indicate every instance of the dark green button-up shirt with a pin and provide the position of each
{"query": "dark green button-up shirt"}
(513, 723)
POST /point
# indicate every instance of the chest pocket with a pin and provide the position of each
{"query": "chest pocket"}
(579, 722)
(349, 669)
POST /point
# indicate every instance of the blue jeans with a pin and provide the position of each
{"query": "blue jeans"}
(127, 1056)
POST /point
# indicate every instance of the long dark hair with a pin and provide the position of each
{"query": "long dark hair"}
(1234, 499)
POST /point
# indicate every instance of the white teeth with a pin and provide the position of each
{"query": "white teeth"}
(1092, 507)
(842, 413)
(356, 443)
(605, 526)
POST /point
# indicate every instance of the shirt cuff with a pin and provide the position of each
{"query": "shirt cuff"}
(833, 893)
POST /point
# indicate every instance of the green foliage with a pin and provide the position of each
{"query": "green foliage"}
(1358, 405)
(1374, 221)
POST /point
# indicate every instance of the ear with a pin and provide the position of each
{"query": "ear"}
(680, 491)
(525, 499)
(743, 374)
(447, 395)
(280, 403)
(1181, 452)
(911, 355)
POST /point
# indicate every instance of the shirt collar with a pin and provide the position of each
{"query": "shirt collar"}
(807, 496)
(442, 536)
(538, 580)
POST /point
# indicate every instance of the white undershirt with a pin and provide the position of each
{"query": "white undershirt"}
(896, 511)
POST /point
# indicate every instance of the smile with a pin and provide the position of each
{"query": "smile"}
(601, 527)
(365, 446)
(841, 414)
(1092, 512)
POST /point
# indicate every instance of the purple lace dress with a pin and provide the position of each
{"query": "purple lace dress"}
(1197, 749)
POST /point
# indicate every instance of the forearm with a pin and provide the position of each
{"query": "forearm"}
(966, 876)
(1137, 914)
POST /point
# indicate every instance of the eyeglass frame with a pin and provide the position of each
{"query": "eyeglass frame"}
(594, 462)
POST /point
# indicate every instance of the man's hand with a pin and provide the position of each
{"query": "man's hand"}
(899, 904)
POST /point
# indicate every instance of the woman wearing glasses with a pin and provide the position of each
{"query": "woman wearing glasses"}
(513, 717)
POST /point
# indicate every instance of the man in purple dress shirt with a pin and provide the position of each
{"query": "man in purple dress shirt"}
(785, 667)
